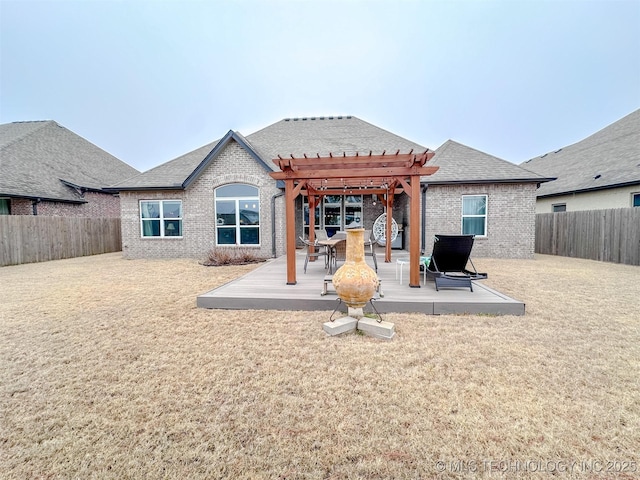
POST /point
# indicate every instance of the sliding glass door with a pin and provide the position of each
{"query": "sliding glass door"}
(335, 213)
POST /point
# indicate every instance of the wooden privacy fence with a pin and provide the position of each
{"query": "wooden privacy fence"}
(27, 239)
(607, 235)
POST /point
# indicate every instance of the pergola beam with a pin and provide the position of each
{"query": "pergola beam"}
(351, 173)
(305, 162)
(348, 191)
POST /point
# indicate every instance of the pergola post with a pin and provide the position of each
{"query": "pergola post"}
(312, 224)
(387, 229)
(290, 215)
(414, 233)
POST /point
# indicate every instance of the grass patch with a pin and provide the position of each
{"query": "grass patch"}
(108, 370)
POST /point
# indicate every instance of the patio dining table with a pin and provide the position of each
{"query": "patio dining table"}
(330, 245)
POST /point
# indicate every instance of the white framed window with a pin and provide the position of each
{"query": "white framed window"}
(559, 207)
(161, 218)
(237, 215)
(474, 215)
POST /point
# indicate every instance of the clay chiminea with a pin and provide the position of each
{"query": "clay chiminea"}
(355, 281)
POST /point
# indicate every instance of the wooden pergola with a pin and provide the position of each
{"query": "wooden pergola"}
(384, 175)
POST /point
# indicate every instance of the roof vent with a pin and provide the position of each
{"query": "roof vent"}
(340, 118)
(295, 119)
(287, 119)
(597, 177)
(349, 116)
(544, 155)
(558, 150)
(330, 118)
(322, 118)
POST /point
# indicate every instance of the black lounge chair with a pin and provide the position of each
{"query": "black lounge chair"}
(448, 265)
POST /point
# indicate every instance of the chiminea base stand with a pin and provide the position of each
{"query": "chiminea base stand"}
(355, 319)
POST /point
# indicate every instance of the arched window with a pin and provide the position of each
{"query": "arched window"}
(237, 215)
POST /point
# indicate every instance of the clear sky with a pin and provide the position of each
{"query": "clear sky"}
(150, 80)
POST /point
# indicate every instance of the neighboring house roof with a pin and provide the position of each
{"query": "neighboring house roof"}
(609, 158)
(461, 164)
(45, 160)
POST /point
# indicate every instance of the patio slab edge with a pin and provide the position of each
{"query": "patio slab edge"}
(264, 289)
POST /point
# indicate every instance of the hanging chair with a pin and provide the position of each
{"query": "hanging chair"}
(380, 229)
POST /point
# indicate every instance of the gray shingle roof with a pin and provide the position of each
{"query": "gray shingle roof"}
(180, 172)
(41, 159)
(308, 135)
(171, 174)
(322, 135)
(461, 164)
(606, 159)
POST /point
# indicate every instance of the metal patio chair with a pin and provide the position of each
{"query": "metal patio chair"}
(314, 251)
(339, 254)
(370, 248)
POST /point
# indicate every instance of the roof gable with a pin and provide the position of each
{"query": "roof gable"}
(231, 135)
(606, 159)
(461, 164)
(45, 160)
(179, 173)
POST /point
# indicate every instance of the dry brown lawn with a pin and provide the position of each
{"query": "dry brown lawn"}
(108, 370)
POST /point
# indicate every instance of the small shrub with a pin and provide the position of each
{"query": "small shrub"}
(232, 256)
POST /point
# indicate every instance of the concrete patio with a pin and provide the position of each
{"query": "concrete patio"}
(265, 288)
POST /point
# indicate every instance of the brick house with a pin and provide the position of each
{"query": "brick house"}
(508, 193)
(221, 194)
(45, 169)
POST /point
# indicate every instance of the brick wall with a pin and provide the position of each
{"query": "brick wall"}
(98, 205)
(510, 224)
(233, 165)
(510, 220)
(371, 211)
(21, 206)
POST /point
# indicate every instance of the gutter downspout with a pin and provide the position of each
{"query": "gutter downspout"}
(273, 223)
(34, 206)
(424, 219)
